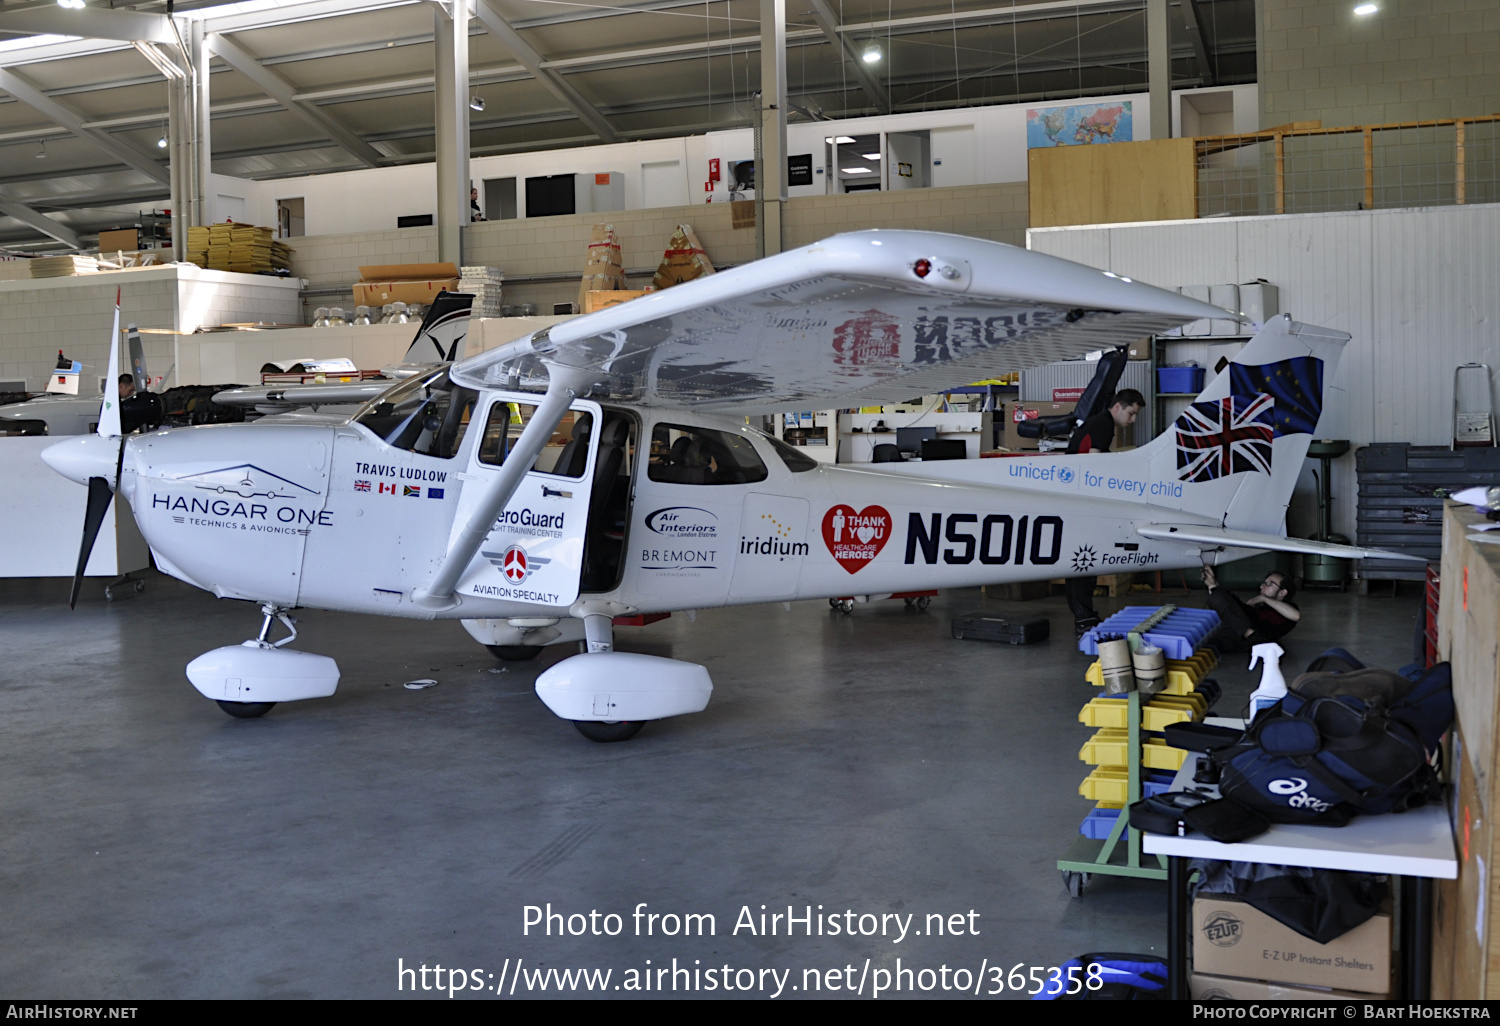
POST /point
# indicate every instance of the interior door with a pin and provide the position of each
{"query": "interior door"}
(534, 551)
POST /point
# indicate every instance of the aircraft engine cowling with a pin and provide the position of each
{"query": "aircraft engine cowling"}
(612, 687)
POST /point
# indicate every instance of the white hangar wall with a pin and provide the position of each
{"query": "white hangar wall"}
(1416, 288)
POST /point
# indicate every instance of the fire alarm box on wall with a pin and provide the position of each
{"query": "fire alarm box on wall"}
(713, 169)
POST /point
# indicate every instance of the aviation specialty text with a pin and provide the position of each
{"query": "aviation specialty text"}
(804, 921)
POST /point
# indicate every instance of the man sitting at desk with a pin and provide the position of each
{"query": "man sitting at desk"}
(1269, 616)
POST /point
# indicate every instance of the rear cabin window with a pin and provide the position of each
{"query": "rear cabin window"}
(566, 453)
(692, 455)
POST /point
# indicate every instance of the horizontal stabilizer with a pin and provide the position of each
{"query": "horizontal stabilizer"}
(1274, 542)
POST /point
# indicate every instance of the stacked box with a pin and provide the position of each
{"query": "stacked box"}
(197, 245)
(484, 283)
(246, 248)
(602, 270)
(683, 261)
(63, 266)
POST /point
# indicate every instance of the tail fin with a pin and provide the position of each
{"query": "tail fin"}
(1235, 453)
(440, 339)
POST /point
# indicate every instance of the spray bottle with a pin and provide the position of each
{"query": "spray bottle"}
(1272, 684)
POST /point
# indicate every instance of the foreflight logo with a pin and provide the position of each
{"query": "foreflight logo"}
(1084, 558)
(1295, 788)
(1223, 929)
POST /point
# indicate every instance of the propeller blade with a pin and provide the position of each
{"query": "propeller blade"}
(100, 495)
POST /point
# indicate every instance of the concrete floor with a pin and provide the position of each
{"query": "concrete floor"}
(153, 847)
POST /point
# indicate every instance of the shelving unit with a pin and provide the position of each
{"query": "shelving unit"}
(1173, 350)
(1130, 761)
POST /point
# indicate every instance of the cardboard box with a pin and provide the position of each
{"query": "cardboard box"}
(121, 240)
(683, 260)
(1259, 301)
(601, 299)
(1140, 350)
(1017, 411)
(1227, 988)
(1230, 938)
(404, 283)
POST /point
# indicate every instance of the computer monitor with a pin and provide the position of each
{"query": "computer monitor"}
(910, 439)
(944, 449)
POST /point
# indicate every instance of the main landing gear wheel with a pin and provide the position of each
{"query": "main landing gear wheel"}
(1076, 882)
(246, 710)
(515, 653)
(606, 732)
(844, 605)
(920, 602)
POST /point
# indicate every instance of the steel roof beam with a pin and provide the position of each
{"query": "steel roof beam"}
(829, 24)
(280, 90)
(121, 150)
(89, 22)
(532, 61)
(41, 222)
(1195, 34)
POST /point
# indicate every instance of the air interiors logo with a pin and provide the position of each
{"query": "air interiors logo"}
(683, 522)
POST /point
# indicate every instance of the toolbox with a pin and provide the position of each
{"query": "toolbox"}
(982, 626)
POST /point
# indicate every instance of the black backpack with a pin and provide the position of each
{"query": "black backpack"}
(1342, 743)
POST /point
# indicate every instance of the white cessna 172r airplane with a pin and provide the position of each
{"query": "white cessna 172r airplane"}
(603, 467)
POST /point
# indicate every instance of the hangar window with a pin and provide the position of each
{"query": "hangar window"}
(426, 414)
(566, 453)
(692, 455)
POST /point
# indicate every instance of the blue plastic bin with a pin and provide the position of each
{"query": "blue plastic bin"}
(1099, 822)
(1179, 379)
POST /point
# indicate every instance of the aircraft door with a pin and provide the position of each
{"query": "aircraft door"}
(773, 544)
(534, 552)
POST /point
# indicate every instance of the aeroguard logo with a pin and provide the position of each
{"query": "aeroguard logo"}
(514, 564)
(1223, 929)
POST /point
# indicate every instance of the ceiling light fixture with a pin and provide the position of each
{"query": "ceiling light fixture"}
(871, 54)
(1363, 9)
(161, 143)
(870, 156)
(856, 171)
(476, 103)
(72, 5)
(843, 140)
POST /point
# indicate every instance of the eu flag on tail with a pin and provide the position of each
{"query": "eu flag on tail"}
(1295, 384)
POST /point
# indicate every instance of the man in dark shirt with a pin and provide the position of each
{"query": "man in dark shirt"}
(1097, 434)
(1268, 616)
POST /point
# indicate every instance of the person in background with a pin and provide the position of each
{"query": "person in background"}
(475, 214)
(127, 386)
(1097, 434)
(1268, 616)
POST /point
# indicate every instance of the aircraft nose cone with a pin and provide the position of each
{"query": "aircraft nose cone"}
(84, 456)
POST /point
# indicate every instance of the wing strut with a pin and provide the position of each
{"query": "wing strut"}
(564, 385)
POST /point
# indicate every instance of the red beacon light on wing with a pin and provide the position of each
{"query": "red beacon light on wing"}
(922, 267)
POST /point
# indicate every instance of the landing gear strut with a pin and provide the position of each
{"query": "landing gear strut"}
(270, 612)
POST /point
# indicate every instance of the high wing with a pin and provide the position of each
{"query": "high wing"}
(440, 338)
(862, 318)
(1220, 536)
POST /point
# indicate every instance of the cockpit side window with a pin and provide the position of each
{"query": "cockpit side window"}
(427, 414)
(694, 455)
(566, 453)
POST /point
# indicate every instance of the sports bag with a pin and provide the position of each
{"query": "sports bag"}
(1340, 744)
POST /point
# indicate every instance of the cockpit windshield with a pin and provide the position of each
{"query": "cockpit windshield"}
(426, 414)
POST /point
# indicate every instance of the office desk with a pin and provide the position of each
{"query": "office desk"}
(1416, 846)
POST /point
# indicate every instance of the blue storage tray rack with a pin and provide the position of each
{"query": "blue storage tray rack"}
(1179, 633)
(1099, 822)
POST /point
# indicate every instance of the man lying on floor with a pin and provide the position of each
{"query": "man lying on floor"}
(1268, 616)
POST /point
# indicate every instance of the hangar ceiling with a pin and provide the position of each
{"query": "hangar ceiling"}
(80, 117)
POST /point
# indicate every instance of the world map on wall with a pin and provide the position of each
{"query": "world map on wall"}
(1081, 125)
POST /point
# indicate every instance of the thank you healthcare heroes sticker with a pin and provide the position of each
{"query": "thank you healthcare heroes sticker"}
(856, 538)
